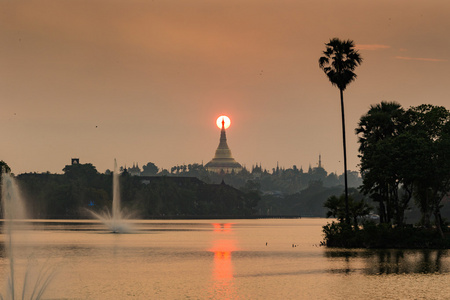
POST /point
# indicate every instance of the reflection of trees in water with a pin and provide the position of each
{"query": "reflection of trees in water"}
(393, 261)
(432, 262)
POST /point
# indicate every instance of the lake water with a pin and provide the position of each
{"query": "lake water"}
(223, 259)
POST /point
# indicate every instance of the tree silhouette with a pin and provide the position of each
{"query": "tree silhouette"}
(339, 61)
(4, 168)
(382, 122)
(149, 169)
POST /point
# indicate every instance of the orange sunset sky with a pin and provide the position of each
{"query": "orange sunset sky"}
(144, 81)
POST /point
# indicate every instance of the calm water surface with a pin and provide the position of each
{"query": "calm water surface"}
(224, 259)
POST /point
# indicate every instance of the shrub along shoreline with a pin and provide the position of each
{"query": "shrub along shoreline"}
(383, 236)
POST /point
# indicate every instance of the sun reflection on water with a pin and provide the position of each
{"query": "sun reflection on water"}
(222, 227)
(223, 246)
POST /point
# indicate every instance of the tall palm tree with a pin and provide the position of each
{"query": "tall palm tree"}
(339, 61)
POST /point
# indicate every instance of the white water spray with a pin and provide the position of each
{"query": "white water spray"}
(116, 220)
(35, 280)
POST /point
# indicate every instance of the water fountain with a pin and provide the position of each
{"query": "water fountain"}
(16, 228)
(117, 219)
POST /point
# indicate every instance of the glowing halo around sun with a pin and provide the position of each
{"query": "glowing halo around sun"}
(224, 118)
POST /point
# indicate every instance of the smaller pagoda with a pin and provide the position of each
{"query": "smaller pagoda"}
(223, 161)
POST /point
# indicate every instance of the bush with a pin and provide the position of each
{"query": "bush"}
(382, 236)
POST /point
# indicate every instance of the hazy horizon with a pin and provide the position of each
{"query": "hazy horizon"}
(144, 81)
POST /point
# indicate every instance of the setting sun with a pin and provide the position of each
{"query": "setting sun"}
(224, 118)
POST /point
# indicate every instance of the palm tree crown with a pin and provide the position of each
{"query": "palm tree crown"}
(382, 120)
(339, 61)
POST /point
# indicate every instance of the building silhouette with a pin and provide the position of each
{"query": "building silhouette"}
(135, 170)
(223, 161)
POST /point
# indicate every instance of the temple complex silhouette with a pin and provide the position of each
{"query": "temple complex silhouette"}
(223, 161)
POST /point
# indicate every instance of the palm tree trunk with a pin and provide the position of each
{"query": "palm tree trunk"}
(347, 215)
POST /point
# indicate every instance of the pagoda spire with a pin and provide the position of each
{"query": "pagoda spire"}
(223, 138)
(223, 159)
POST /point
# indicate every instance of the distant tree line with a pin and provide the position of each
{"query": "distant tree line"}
(159, 193)
(279, 192)
(285, 181)
(283, 192)
(81, 188)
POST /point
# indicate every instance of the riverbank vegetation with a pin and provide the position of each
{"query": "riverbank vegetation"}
(405, 161)
(81, 189)
(185, 191)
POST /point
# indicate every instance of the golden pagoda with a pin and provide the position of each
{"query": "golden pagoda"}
(223, 161)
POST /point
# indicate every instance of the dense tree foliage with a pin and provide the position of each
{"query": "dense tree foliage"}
(432, 126)
(358, 207)
(405, 153)
(382, 139)
(150, 169)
